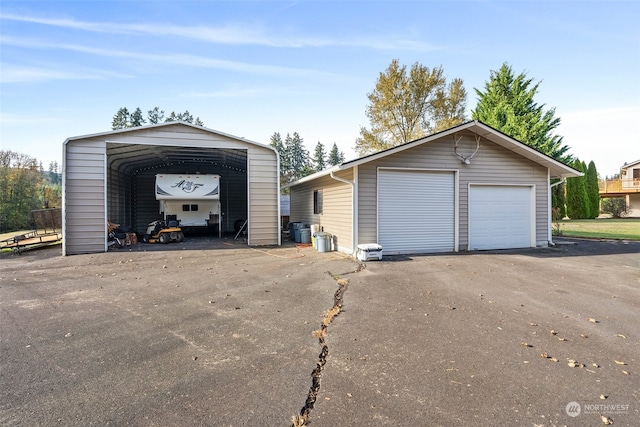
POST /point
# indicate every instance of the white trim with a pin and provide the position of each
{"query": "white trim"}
(64, 198)
(104, 201)
(355, 194)
(249, 200)
(532, 208)
(549, 209)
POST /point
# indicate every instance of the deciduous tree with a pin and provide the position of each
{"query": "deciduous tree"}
(407, 105)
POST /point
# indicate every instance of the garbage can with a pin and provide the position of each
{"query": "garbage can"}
(296, 231)
(305, 235)
(323, 242)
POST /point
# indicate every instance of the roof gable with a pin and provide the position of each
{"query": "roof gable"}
(556, 168)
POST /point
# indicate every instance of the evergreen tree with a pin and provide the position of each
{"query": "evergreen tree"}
(278, 145)
(558, 200)
(319, 157)
(507, 104)
(405, 106)
(593, 192)
(155, 116)
(335, 156)
(136, 119)
(298, 157)
(121, 119)
(577, 200)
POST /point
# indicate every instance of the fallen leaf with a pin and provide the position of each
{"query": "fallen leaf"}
(595, 365)
(619, 362)
(544, 355)
(561, 339)
(626, 373)
(606, 420)
(552, 332)
(621, 336)
(533, 324)
(603, 396)
(584, 335)
(572, 364)
(553, 359)
(592, 320)
(524, 344)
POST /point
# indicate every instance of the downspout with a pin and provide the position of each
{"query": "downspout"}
(354, 209)
(562, 181)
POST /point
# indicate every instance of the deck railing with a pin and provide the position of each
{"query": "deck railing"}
(618, 186)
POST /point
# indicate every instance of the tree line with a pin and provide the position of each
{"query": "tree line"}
(26, 186)
(406, 104)
(123, 119)
(295, 160)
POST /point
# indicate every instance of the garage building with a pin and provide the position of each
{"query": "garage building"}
(467, 188)
(111, 177)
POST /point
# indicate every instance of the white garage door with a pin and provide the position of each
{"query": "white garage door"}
(500, 217)
(416, 211)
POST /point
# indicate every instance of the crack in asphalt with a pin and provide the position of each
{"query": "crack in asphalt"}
(329, 315)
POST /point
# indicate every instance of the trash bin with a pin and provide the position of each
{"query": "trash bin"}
(323, 242)
(305, 235)
(296, 231)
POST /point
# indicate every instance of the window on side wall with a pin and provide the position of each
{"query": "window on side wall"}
(317, 202)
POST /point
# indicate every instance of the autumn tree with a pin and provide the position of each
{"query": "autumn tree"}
(507, 104)
(407, 105)
(20, 180)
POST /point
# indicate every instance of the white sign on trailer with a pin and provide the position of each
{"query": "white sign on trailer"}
(187, 187)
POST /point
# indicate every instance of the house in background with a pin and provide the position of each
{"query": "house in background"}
(627, 186)
(467, 188)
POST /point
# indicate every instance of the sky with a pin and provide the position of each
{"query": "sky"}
(253, 68)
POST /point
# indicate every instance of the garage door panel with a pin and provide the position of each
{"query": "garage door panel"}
(416, 211)
(500, 217)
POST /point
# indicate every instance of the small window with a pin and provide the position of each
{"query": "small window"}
(185, 208)
(194, 208)
(317, 202)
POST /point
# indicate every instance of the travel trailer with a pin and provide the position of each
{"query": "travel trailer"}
(190, 200)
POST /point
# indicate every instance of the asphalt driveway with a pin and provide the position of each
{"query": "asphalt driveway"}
(225, 336)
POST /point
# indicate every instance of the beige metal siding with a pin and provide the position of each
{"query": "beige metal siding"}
(84, 193)
(493, 164)
(264, 197)
(336, 218)
(86, 185)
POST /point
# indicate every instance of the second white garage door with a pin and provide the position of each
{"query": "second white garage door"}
(416, 211)
(500, 217)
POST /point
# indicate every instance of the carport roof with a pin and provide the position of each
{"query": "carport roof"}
(132, 157)
(556, 168)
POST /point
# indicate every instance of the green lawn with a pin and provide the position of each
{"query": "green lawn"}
(606, 228)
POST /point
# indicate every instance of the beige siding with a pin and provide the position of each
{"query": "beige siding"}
(85, 185)
(264, 197)
(84, 219)
(336, 217)
(493, 164)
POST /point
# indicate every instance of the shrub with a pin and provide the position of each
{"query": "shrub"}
(616, 206)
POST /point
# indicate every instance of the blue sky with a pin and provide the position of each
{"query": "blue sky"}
(252, 68)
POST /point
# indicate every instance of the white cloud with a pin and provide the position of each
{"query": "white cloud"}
(240, 34)
(22, 74)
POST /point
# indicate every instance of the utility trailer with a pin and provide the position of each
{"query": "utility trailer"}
(188, 200)
(48, 231)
